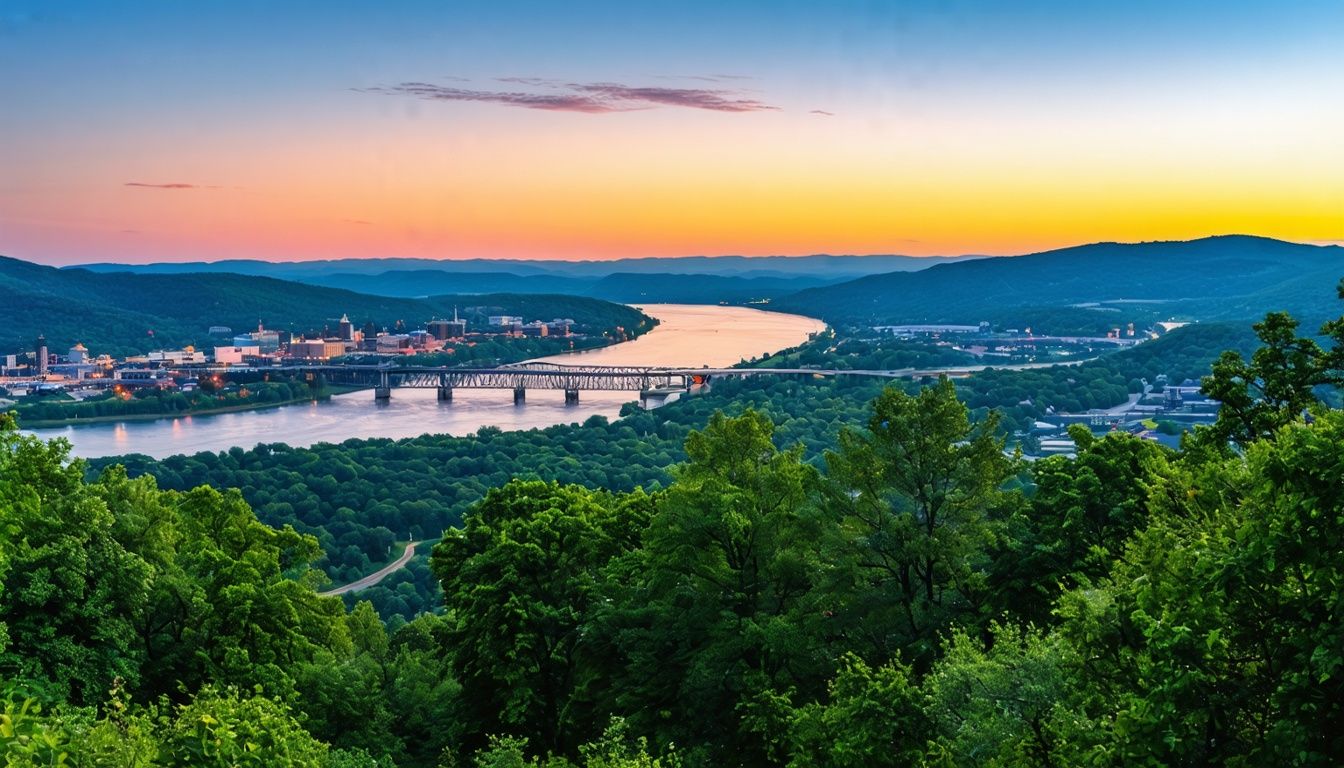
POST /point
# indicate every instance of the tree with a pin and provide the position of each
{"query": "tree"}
(225, 728)
(872, 718)
(1081, 517)
(260, 624)
(614, 749)
(1212, 643)
(919, 496)
(1010, 702)
(70, 588)
(1278, 384)
(715, 607)
(518, 580)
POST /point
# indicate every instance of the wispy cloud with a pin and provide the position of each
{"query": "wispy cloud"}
(533, 81)
(822, 112)
(589, 98)
(173, 185)
(706, 78)
(695, 98)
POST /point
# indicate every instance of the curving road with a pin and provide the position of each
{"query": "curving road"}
(374, 578)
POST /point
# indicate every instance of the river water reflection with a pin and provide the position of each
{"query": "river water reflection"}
(688, 335)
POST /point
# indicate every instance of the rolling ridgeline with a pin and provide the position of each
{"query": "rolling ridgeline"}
(1085, 289)
(1082, 290)
(1090, 287)
(124, 313)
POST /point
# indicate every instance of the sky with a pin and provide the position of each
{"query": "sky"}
(157, 131)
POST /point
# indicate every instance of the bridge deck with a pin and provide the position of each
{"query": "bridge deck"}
(584, 377)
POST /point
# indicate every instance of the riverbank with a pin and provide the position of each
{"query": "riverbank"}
(689, 336)
(329, 391)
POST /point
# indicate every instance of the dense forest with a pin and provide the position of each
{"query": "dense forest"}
(360, 497)
(122, 313)
(917, 597)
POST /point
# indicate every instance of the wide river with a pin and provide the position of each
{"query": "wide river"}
(687, 335)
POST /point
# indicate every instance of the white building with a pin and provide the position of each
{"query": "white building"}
(234, 355)
(187, 356)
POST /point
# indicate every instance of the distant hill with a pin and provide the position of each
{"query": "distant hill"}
(429, 282)
(818, 266)
(116, 312)
(699, 289)
(1092, 286)
(621, 287)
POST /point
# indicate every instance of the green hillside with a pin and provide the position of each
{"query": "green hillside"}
(622, 286)
(121, 313)
(1094, 286)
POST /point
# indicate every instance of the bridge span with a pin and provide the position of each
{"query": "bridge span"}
(649, 381)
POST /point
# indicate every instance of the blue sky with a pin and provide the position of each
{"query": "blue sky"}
(235, 96)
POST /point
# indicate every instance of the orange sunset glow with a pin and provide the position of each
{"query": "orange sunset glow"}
(910, 145)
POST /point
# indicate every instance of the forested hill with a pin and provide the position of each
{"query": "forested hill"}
(121, 312)
(620, 286)
(818, 265)
(1230, 278)
(690, 280)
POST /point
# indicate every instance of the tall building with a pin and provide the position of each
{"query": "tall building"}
(317, 349)
(345, 331)
(439, 329)
(40, 346)
(448, 329)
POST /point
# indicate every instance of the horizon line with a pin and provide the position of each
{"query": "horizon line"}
(1324, 243)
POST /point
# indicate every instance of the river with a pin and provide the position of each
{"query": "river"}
(687, 335)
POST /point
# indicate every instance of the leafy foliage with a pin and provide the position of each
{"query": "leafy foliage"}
(1278, 384)
(518, 580)
(911, 597)
(42, 411)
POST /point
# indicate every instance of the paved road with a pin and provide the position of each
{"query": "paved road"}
(374, 578)
(1127, 406)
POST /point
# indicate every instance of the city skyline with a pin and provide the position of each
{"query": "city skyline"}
(597, 131)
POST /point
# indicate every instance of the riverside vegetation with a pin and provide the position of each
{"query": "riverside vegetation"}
(359, 497)
(243, 391)
(912, 595)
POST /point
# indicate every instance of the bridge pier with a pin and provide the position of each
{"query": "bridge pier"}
(519, 395)
(571, 397)
(382, 391)
(445, 394)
